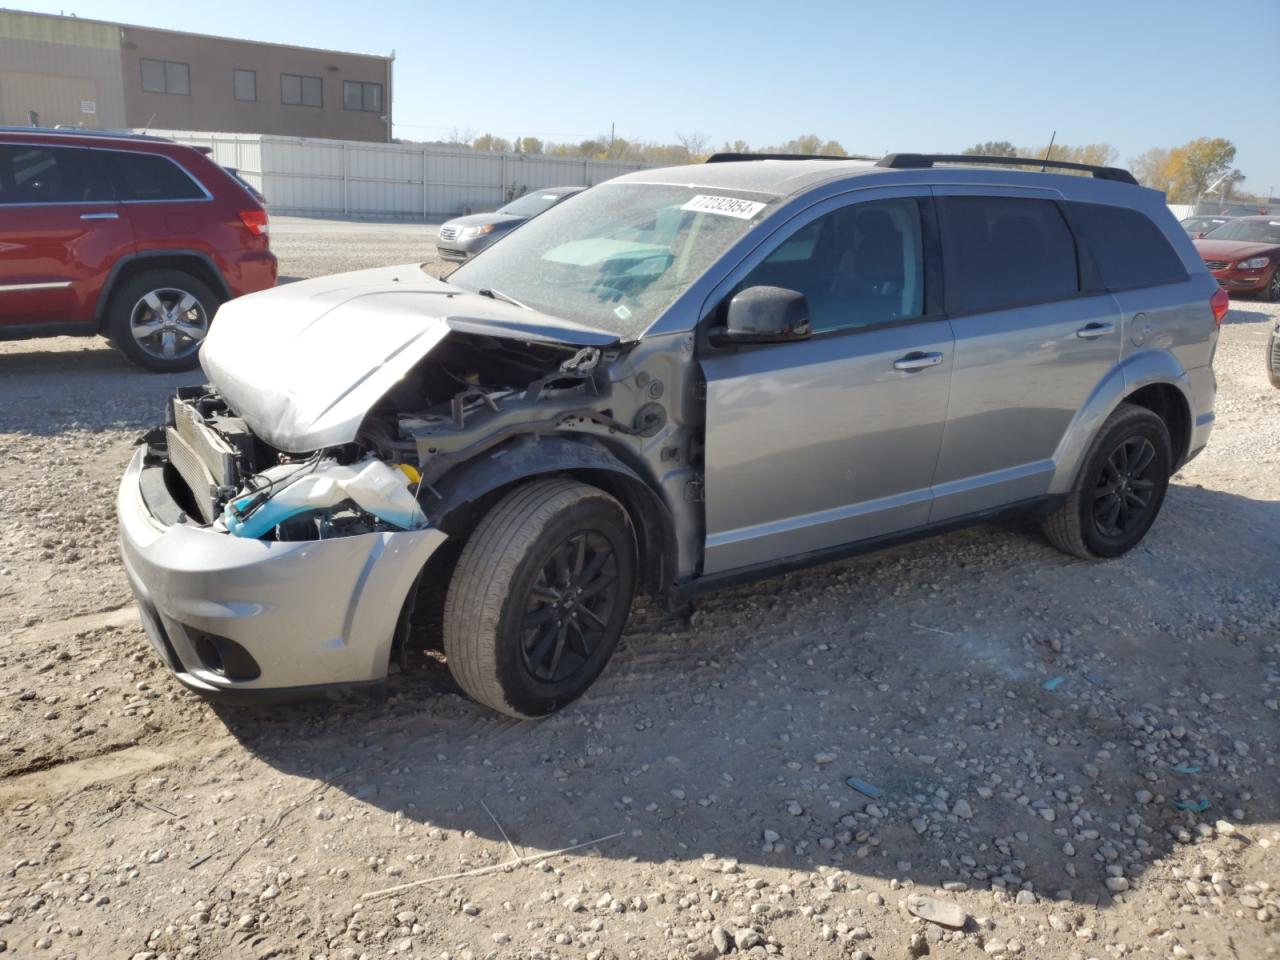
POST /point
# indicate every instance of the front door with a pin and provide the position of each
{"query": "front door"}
(60, 231)
(818, 443)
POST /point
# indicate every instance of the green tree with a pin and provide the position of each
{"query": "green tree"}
(529, 145)
(1195, 166)
(992, 148)
(487, 141)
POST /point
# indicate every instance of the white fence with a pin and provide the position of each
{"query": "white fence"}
(388, 180)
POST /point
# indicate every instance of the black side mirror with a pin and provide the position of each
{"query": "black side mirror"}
(765, 315)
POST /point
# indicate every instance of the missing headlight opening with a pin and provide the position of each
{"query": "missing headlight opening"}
(472, 392)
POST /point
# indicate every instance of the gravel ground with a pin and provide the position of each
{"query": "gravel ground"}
(1069, 760)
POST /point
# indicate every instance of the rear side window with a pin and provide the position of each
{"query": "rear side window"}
(147, 176)
(1129, 249)
(33, 174)
(1004, 252)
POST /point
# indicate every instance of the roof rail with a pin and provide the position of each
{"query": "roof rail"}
(919, 161)
(731, 157)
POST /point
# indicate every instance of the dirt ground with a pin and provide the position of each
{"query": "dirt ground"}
(1081, 757)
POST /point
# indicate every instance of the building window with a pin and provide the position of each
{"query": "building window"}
(361, 96)
(165, 76)
(296, 91)
(245, 83)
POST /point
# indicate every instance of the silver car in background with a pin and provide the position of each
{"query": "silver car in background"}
(679, 379)
(464, 237)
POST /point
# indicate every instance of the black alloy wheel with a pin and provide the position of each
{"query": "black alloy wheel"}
(1125, 494)
(569, 607)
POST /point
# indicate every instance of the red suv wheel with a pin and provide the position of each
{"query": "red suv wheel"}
(159, 318)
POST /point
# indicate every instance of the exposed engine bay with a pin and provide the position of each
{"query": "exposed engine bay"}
(473, 393)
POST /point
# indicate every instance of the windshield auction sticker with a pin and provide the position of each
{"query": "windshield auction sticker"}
(724, 206)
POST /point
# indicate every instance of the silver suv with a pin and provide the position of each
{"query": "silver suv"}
(675, 380)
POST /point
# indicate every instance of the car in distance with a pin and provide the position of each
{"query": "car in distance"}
(464, 237)
(1244, 256)
(1198, 226)
(681, 379)
(136, 238)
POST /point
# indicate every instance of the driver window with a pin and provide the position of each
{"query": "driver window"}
(859, 266)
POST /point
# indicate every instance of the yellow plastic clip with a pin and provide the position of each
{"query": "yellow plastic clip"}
(411, 472)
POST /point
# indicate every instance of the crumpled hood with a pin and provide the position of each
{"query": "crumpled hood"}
(1232, 249)
(304, 362)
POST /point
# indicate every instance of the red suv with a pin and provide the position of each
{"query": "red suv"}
(136, 238)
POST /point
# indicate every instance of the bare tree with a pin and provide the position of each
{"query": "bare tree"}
(694, 144)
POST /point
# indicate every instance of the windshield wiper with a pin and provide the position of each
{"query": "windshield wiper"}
(493, 294)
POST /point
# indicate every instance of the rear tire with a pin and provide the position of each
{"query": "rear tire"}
(540, 596)
(159, 318)
(1119, 490)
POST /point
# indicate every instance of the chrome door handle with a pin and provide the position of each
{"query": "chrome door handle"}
(1092, 331)
(917, 361)
(99, 216)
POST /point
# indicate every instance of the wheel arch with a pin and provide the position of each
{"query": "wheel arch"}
(1168, 403)
(195, 262)
(468, 491)
(1153, 379)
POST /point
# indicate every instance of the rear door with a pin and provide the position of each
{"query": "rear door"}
(823, 442)
(61, 231)
(1035, 334)
(164, 202)
(1161, 306)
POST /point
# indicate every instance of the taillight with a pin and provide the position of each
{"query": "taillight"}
(255, 221)
(1220, 303)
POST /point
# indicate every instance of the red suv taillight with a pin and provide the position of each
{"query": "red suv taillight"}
(255, 221)
(1220, 303)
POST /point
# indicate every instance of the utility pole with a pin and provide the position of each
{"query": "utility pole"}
(612, 126)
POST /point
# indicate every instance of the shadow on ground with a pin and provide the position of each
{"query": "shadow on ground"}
(1081, 706)
(1245, 311)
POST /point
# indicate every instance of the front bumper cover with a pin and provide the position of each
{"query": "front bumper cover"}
(1242, 281)
(312, 614)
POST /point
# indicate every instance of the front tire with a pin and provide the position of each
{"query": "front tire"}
(1119, 490)
(159, 318)
(540, 596)
(1271, 293)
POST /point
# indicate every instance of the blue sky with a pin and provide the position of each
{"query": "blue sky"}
(878, 77)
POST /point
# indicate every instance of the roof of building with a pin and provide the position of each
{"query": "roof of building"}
(203, 36)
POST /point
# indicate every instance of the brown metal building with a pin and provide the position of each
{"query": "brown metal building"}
(99, 75)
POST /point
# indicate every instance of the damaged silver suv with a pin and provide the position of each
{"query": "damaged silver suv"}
(675, 380)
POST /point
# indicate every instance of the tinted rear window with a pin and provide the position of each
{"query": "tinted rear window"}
(38, 174)
(1005, 251)
(147, 176)
(1129, 249)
